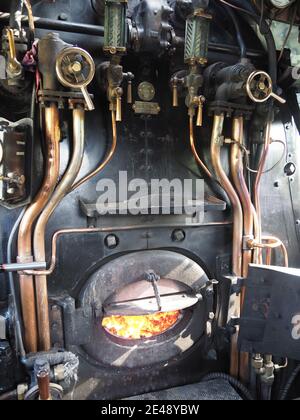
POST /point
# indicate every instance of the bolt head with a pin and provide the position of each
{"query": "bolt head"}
(178, 235)
(111, 241)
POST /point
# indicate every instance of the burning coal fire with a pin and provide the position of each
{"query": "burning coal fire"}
(137, 327)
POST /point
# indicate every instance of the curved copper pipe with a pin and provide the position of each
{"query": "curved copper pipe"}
(272, 243)
(39, 234)
(193, 147)
(52, 138)
(233, 197)
(216, 143)
(256, 189)
(109, 229)
(106, 160)
(237, 170)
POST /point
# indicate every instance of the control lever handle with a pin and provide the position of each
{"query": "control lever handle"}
(175, 93)
(259, 88)
(75, 69)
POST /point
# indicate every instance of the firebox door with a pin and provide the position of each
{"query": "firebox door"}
(150, 307)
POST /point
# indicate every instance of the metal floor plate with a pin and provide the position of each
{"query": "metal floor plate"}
(217, 390)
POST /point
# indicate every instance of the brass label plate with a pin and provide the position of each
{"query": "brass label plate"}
(149, 108)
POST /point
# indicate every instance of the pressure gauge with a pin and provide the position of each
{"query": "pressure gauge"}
(281, 4)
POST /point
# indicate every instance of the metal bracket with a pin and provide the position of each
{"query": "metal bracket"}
(246, 240)
(78, 323)
(238, 286)
(18, 267)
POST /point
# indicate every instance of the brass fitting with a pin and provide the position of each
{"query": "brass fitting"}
(14, 67)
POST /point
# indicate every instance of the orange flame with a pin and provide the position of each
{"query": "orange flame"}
(137, 327)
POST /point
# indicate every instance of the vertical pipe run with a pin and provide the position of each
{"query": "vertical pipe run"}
(237, 170)
(233, 197)
(25, 254)
(39, 234)
(216, 143)
(256, 191)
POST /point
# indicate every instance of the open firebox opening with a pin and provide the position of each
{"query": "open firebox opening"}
(141, 326)
(147, 308)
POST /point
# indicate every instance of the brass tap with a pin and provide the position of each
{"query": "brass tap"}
(14, 66)
(197, 103)
(118, 99)
(201, 100)
(175, 92)
(129, 77)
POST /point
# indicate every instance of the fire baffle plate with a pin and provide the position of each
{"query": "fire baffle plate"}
(139, 298)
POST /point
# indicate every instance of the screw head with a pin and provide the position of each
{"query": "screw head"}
(290, 169)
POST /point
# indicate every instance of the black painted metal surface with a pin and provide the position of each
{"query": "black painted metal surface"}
(156, 147)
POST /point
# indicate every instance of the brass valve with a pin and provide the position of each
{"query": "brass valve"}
(198, 102)
(129, 92)
(259, 88)
(129, 77)
(175, 92)
(201, 101)
(118, 98)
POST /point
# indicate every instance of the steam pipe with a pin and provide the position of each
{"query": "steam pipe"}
(25, 254)
(106, 160)
(109, 229)
(216, 143)
(237, 170)
(39, 234)
(193, 147)
(256, 190)
(57, 25)
(233, 197)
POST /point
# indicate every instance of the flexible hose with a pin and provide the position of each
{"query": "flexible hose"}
(234, 382)
(19, 338)
(265, 31)
(239, 36)
(16, 9)
(286, 389)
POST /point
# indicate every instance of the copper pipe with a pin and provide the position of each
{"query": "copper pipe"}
(110, 229)
(233, 197)
(30, 16)
(39, 234)
(52, 137)
(256, 190)
(43, 380)
(108, 157)
(216, 143)
(193, 147)
(272, 243)
(237, 170)
(269, 256)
